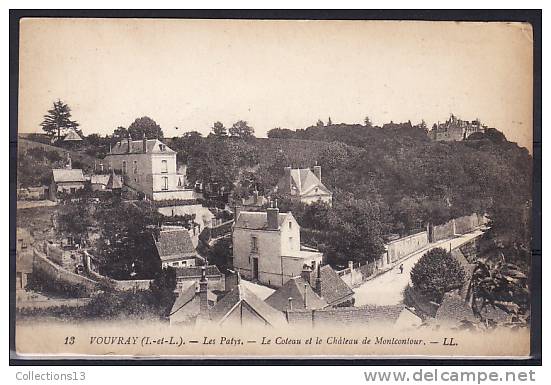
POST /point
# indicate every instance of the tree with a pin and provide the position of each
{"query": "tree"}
(119, 134)
(145, 125)
(242, 130)
(58, 120)
(500, 285)
(281, 133)
(218, 130)
(162, 288)
(329, 122)
(319, 123)
(436, 273)
(126, 242)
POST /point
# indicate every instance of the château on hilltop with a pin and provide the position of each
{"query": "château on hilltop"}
(456, 129)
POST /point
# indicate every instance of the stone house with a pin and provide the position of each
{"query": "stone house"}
(304, 185)
(267, 249)
(149, 166)
(175, 248)
(66, 180)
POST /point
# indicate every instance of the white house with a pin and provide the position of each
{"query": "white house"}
(266, 247)
(149, 166)
(304, 185)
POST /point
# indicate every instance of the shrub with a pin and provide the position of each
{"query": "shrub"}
(436, 273)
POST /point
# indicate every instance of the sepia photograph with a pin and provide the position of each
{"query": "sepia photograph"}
(191, 188)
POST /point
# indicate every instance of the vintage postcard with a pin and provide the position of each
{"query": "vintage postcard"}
(193, 188)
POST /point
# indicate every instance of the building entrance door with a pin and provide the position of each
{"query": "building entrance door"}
(255, 268)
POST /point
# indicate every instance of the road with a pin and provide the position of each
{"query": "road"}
(387, 288)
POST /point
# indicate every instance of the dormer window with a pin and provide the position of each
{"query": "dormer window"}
(162, 147)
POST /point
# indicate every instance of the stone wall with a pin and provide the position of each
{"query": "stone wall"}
(56, 273)
(407, 245)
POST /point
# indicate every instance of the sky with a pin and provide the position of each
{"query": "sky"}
(191, 73)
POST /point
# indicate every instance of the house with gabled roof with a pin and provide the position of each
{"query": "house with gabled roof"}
(239, 307)
(149, 166)
(175, 248)
(317, 287)
(66, 180)
(304, 185)
(267, 248)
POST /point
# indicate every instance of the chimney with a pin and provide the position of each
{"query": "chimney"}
(128, 142)
(144, 143)
(272, 216)
(317, 172)
(317, 287)
(291, 303)
(306, 274)
(203, 286)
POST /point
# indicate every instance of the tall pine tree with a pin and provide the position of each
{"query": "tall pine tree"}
(58, 120)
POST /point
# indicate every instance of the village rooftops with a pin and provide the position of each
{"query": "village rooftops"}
(211, 271)
(346, 316)
(295, 289)
(333, 289)
(175, 244)
(68, 175)
(153, 146)
(239, 299)
(252, 220)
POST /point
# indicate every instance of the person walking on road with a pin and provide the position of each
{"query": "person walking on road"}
(401, 268)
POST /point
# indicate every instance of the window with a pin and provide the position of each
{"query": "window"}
(124, 166)
(164, 166)
(179, 182)
(175, 263)
(290, 225)
(135, 167)
(184, 263)
(254, 244)
(165, 183)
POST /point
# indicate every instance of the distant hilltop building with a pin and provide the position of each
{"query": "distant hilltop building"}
(304, 185)
(149, 166)
(455, 129)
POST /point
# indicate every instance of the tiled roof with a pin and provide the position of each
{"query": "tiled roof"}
(68, 175)
(256, 220)
(72, 135)
(174, 243)
(99, 179)
(333, 288)
(302, 181)
(212, 271)
(295, 289)
(153, 146)
(114, 182)
(184, 298)
(239, 295)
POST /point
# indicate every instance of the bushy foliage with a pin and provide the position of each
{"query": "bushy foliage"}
(436, 273)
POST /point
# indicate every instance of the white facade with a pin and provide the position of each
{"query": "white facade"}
(271, 255)
(149, 166)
